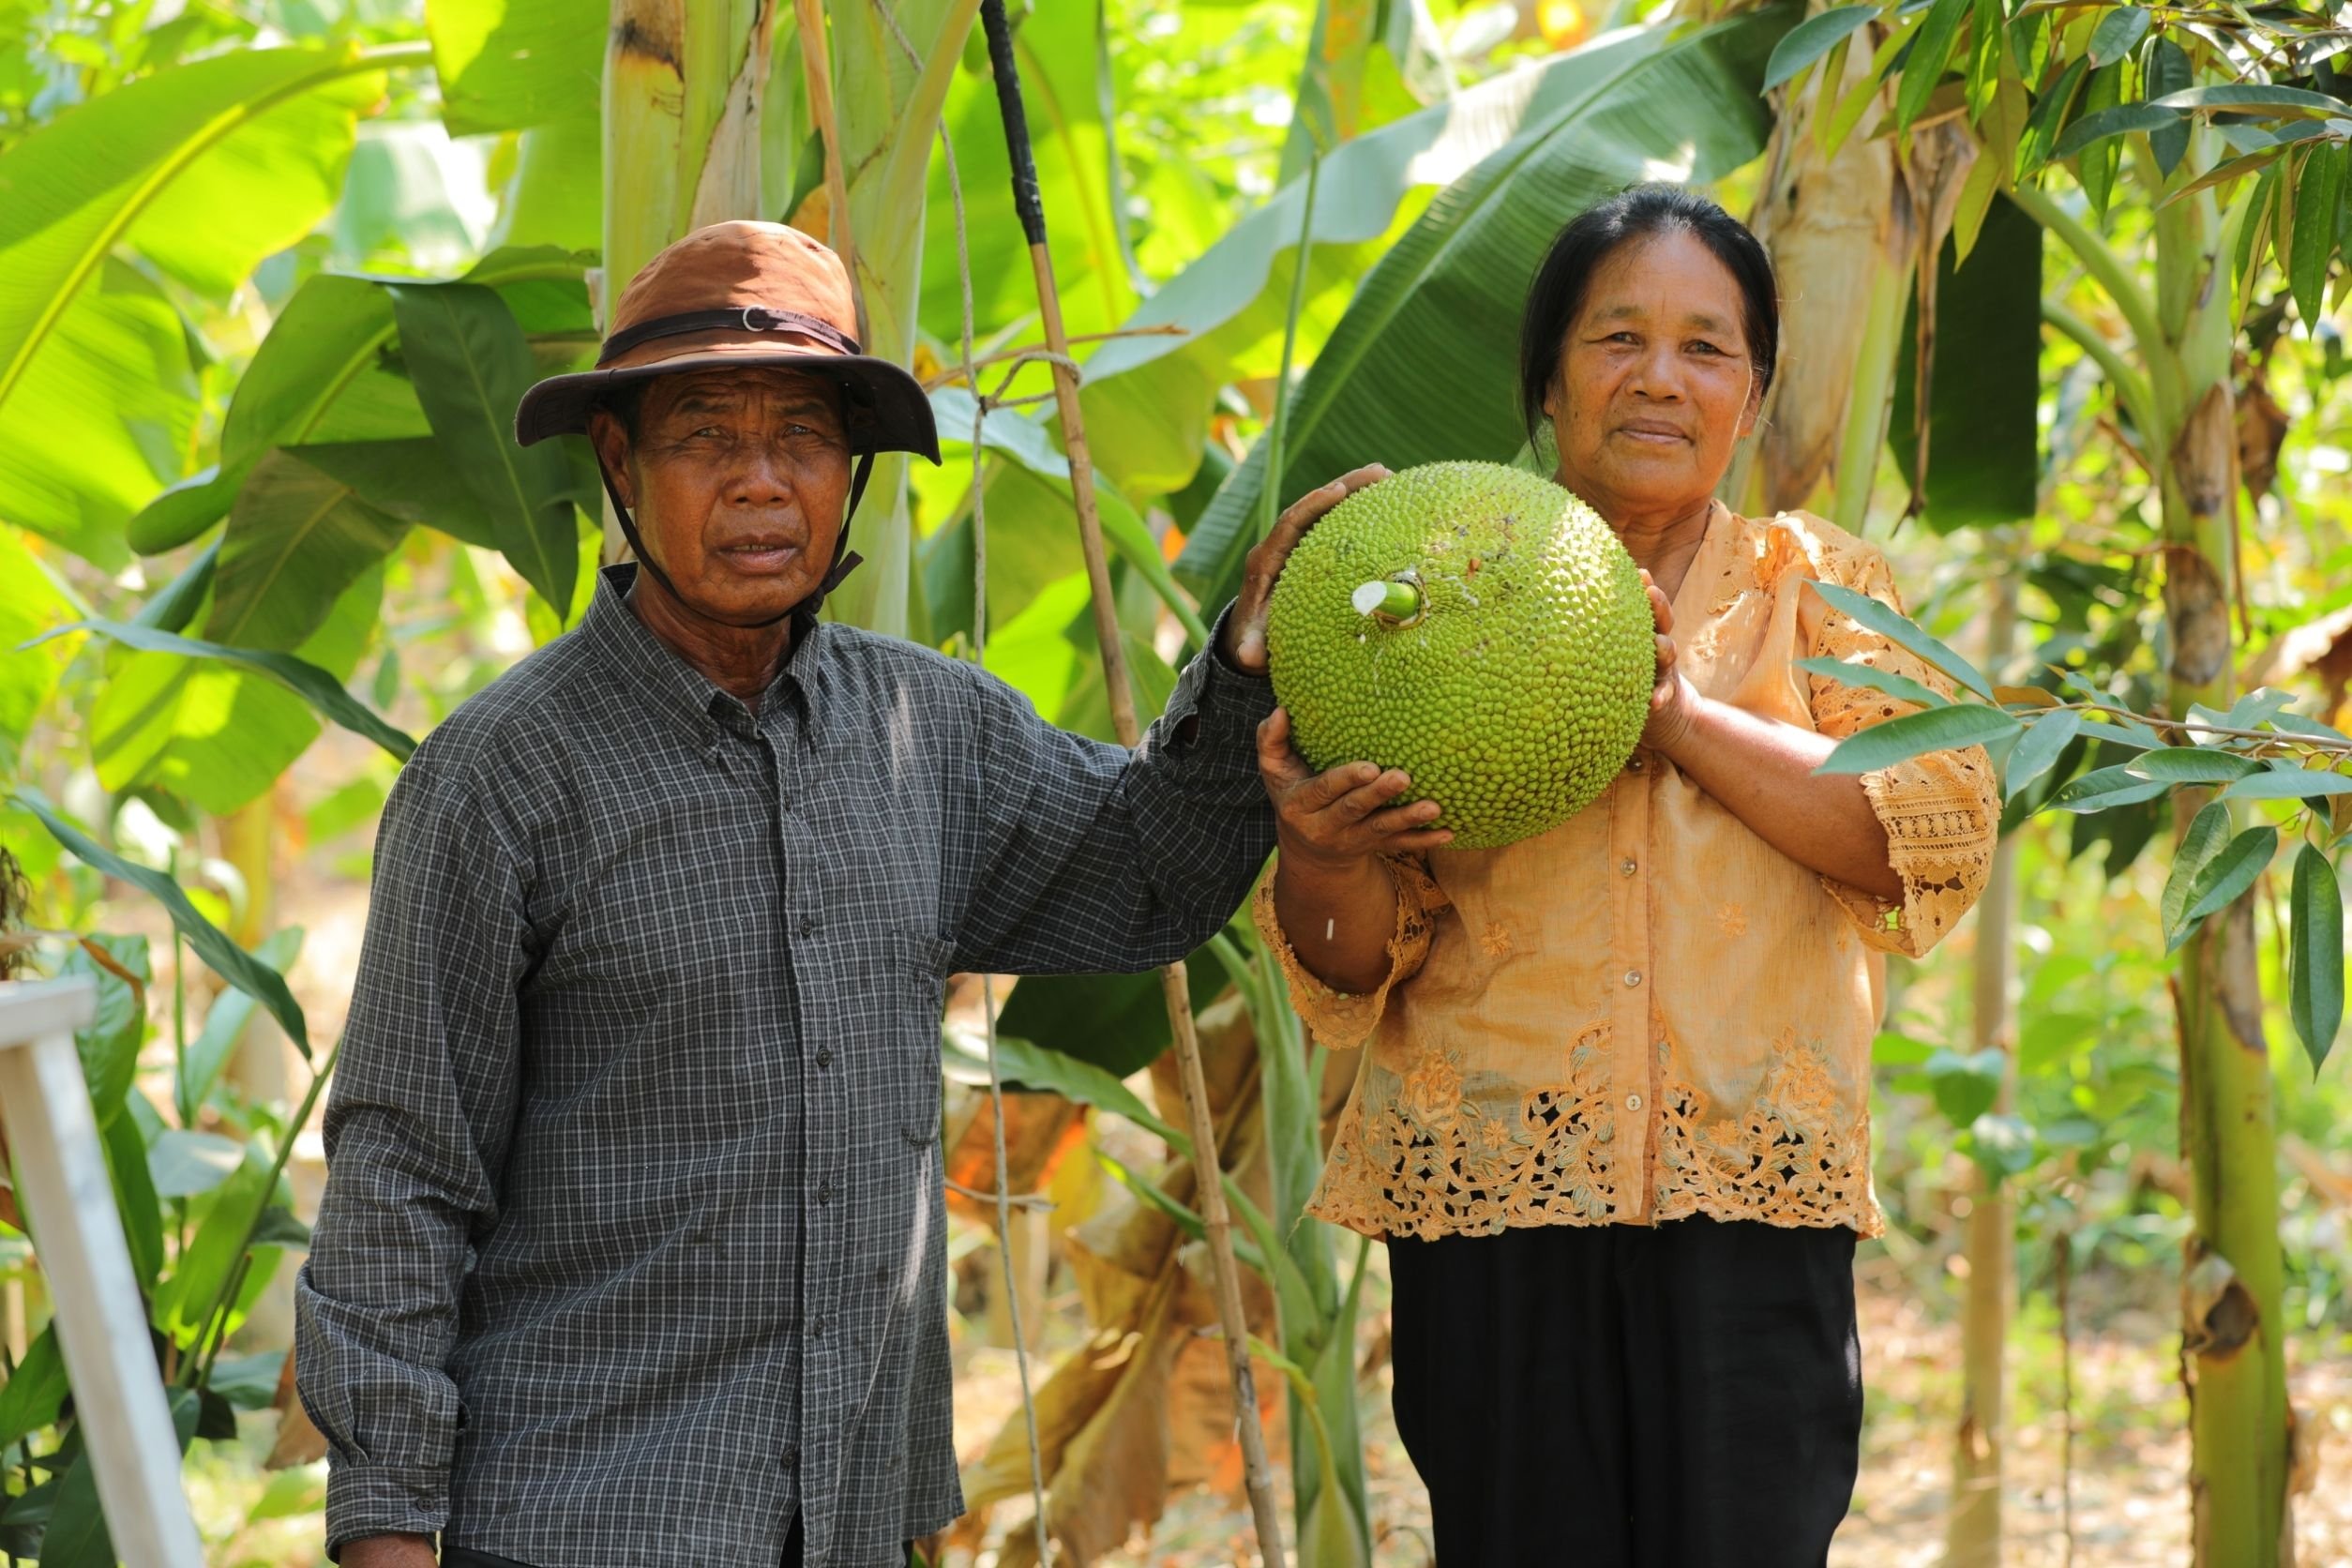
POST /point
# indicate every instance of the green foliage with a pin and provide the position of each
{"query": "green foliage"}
(1468, 258)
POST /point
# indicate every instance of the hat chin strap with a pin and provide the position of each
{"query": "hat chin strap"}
(802, 614)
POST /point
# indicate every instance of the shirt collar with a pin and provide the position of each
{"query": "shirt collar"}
(676, 687)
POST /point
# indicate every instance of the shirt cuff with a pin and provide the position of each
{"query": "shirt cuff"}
(1217, 707)
(1941, 818)
(1342, 1021)
(364, 1500)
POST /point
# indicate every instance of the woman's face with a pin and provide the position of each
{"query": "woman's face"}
(1655, 384)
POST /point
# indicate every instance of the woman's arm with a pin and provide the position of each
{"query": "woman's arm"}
(1335, 900)
(1761, 771)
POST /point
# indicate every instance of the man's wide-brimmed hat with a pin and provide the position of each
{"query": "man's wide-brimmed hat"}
(736, 295)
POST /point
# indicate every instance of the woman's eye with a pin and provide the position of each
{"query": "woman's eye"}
(1704, 347)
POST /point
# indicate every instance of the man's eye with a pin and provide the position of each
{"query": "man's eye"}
(706, 432)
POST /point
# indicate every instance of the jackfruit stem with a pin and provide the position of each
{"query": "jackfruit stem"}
(1389, 600)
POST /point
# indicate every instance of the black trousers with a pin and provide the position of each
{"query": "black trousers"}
(1684, 1395)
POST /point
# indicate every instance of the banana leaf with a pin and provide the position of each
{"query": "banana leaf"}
(1422, 367)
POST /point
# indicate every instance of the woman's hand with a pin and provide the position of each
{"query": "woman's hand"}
(1342, 819)
(1246, 632)
(1673, 700)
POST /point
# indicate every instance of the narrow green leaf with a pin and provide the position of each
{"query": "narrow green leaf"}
(1033, 1066)
(2224, 877)
(225, 957)
(2247, 97)
(1893, 624)
(2118, 32)
(2319, 215)
(2290, 784)
(109, 1047)
(2095, 168)
(34, 1393)
(2049, 114)
(2120, 120)
(1898, 740)
(1930, 51)
(1899, 686)
(2191, 764)
(472, 364)
(2317, 981)
(2166, 72)
(2103, 789)
(315, 686)
(1813, 37)
(2045, 739)
(2207, 835)
(135, 1198)
(2296, 723)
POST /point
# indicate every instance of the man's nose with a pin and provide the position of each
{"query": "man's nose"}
(761, 479)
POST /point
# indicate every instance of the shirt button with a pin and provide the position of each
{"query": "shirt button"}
(1632, 1102)
(824, 1192)
(817, 1327)
(825, 1056)
(1633, 977)
(792, 1456)
(1625, 868)
(808, 924)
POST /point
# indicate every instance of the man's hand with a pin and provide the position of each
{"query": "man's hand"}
(1344, 818)
(1672, 699)
(1246, 632)
(389, 1551)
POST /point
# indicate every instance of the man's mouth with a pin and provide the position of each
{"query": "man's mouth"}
(760, 556)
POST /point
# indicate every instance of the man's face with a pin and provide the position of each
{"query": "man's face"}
(736, 480)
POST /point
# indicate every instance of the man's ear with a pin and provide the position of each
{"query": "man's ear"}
(612, 442)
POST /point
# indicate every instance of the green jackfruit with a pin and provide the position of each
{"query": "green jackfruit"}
(1476, 626)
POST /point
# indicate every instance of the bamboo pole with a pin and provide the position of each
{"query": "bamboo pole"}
(1972, 1526)
(1257, 1474)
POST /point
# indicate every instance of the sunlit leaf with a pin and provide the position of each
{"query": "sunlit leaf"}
(1890, 623)
(2121, 119)
(2318, 216)
(225, 957)
(472, 365)
(2039, 750)
(1813, 37)
(2248, 97)
(2105, 788)
(2316, 966)
(1468, 258)
(2191, 764)
(296, 538)
(2118, 32)
(1850, 674)
(2290, 784)
(1898, 740)
(315, 686)
(2207, 835)
(2224, 877)
(1930, 51)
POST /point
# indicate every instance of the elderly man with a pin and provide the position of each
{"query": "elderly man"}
(632, 1250)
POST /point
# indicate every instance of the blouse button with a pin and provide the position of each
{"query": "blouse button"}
(1632, 1102)
(1625, 868)
(1634, 766)
(1633, 977)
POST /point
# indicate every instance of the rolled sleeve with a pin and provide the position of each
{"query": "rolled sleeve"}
(1342, 1021)
(1097, 859)
(1940, 811)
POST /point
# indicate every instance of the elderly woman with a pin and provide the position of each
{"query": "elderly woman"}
(1613, 1114)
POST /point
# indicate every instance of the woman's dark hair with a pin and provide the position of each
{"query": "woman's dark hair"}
(1642, 212)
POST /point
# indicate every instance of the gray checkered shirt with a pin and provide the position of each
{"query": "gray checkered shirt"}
(633, 1243)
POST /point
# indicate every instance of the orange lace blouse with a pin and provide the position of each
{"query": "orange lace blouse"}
(1647, 1012)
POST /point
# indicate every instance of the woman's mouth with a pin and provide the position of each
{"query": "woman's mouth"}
(1656, 435)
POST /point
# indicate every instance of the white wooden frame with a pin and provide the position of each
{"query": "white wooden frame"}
(69, 1202)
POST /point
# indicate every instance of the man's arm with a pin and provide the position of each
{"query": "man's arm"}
(415, 1131)
(1098, 860)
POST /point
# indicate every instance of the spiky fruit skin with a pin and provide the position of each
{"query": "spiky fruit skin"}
(1521, 689)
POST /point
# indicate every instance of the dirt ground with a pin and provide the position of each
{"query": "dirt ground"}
(2129, 1464)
